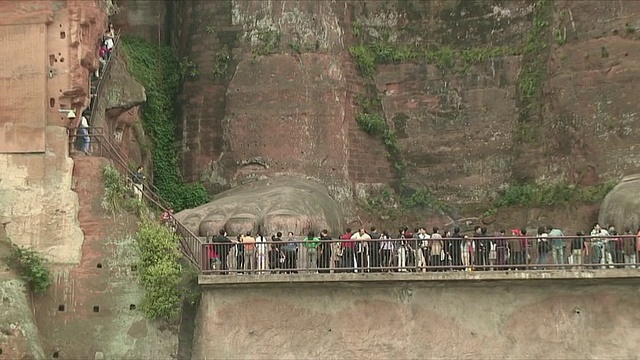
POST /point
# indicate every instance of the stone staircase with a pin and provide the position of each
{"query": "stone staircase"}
(190, 244)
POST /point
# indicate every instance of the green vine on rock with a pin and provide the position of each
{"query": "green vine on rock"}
(529, 195)
(221, 62)
(533, 72)
(367, 55)
(158, 70)
(370, 52)
(32, 267)
(374, 123)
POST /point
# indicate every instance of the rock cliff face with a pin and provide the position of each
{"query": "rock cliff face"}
(50, 50)
(92, 310)
(19, 335)
(476, 94)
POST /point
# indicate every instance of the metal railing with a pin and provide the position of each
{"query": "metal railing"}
(105, 71)
(416, 255)
(190, 244)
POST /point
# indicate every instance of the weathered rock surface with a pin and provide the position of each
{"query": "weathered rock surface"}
(95, 306)
(546, 320)
(55, 50)
(118, 111)
(37, 204)
(620, 206)
(459, 131)
(294, 122)
(279, 204)
(19, 335)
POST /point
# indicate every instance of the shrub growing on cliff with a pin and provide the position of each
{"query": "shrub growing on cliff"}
(546, 195)
(158, 70)
(32, 267)
(115, 190)
(159, 270)
(117, 195)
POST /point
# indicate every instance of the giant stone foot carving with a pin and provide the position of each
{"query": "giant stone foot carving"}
(278, 204)
(620, 206)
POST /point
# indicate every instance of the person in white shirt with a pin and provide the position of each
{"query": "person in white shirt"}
(261, 253)
(598, 243)
(402, 252)
(544, 247)
(361, 248)
(467, 253)
(83, 131)
(109, 36)
(423, 249)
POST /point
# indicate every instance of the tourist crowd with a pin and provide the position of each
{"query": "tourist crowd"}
(422, 250)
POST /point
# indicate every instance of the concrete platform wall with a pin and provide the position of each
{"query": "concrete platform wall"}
(559, 318)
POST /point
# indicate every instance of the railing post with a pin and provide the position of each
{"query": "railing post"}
(527, 255)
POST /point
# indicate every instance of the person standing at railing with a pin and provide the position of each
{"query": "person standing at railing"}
(386, 250)
(83, 131)
(261, 253)
(455, 248)
(598, 241)
(401, 248)
(467, 253)
(482, 247)
(579, 250)
(374, 249)
(310, 243)
(138, 180)
(276, 256)
(422, 249)
(629, 248)
(361, 239)
(324, 252)
(516, 250)
(544, 247)
(239, 255)
(291, 254)
(502, 249)
(616, 246)
(437, 250)
(557, 244)
(346, 249)
(222, 246)
(249, 251)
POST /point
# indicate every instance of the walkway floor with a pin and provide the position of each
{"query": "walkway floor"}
(465, 278)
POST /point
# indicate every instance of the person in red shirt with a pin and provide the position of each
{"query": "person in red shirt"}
(347, 245)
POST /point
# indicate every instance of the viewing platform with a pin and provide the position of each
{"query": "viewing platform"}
(461, 278)
(437, 261)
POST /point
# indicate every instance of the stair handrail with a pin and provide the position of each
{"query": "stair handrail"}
(105, 72)
(99, 89)
(190, 244)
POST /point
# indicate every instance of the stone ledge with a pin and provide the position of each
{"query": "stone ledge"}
(429, 278)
